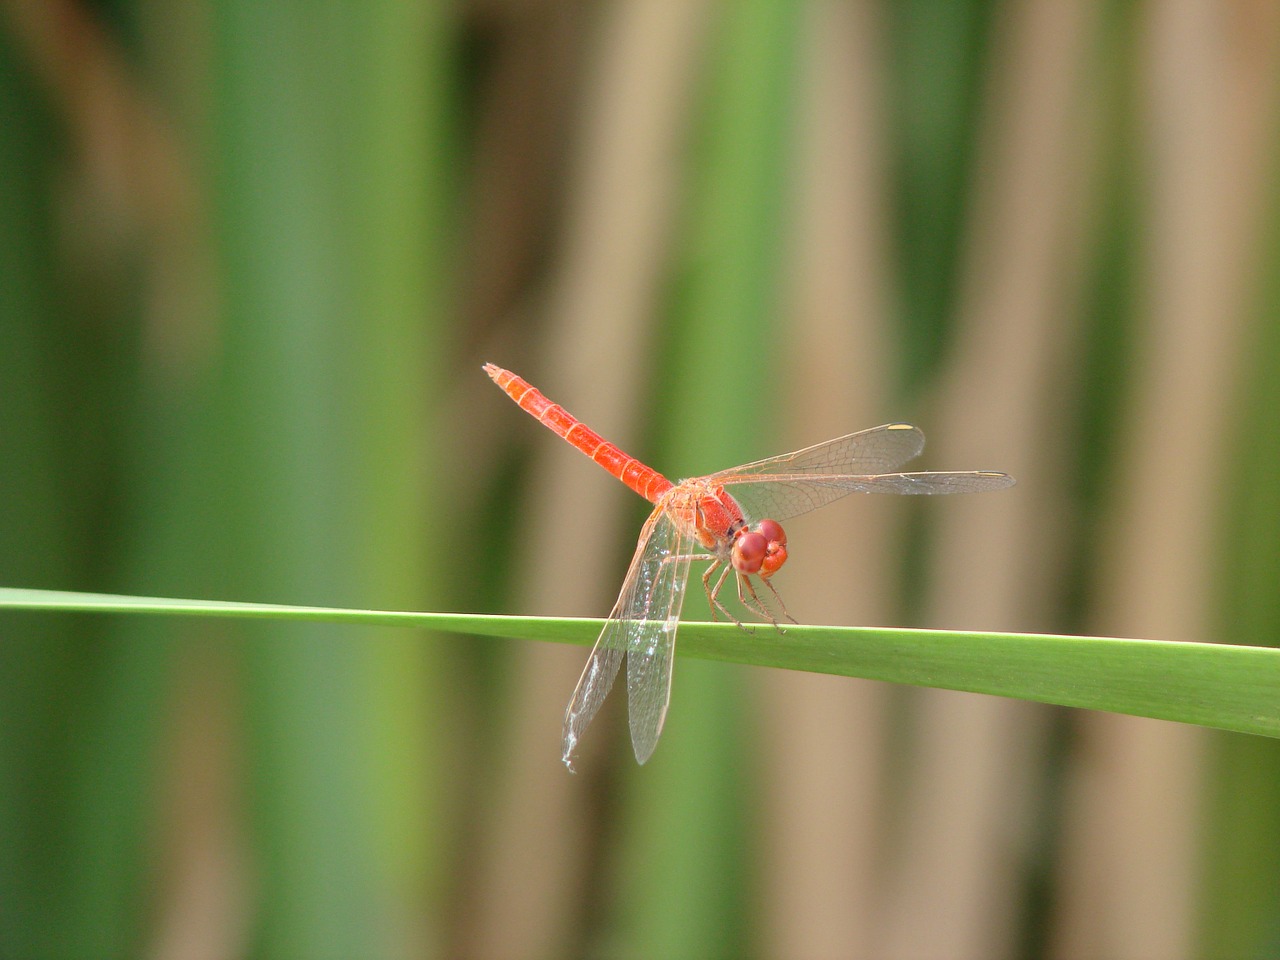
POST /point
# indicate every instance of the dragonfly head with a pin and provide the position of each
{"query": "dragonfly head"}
(761, 549)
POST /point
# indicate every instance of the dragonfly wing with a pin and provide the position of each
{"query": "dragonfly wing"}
(593, 686)
(781, 496)
(641, 627)
(870, 452)
(652, 644)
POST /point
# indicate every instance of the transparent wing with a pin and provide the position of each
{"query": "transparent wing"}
(795, 483)
(881, 449)
(782, 497)
(641, 627)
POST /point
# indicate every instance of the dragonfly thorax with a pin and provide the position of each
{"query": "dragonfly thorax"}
(720, 526)
(717, 519)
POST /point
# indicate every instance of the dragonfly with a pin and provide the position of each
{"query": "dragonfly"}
(733, 519)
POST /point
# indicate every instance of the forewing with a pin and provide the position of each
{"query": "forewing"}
(879, 450)
(781, 496)
(652, 641)
(643, 626)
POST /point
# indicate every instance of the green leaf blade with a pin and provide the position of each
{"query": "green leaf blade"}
(1224, 686)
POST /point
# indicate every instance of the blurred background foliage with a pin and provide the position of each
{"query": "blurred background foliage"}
(252, 258)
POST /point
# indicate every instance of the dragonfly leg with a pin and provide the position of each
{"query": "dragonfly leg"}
(706, 585)
(782, 606)
(713, 593)
(751, 600)
(689, 556)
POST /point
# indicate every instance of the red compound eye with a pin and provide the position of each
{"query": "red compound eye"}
(776, 551)
(772, 531)
(749, 551)
(774, 559)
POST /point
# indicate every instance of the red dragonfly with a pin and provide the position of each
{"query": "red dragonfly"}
(714, 518)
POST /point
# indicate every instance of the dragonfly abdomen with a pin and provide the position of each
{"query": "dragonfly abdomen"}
(642, 479)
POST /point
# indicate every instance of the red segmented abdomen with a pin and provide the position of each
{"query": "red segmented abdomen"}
(646, 481)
